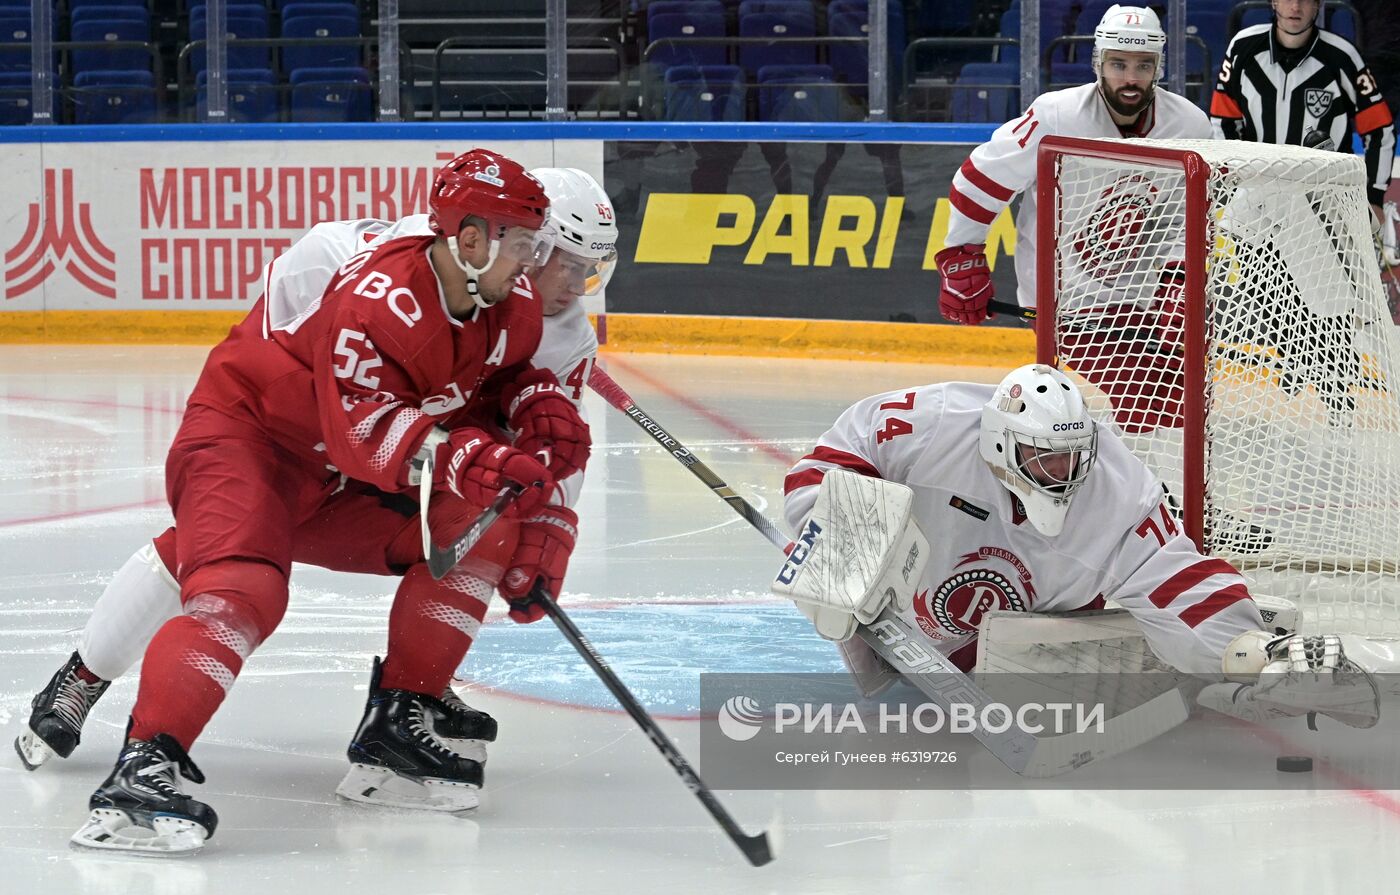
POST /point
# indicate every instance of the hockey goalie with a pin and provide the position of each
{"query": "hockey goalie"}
(951, 501)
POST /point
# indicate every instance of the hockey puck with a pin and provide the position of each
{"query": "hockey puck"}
(1294, 764)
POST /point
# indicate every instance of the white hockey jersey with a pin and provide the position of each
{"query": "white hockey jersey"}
(1006, 164)
(1119, 541)
(294, 281)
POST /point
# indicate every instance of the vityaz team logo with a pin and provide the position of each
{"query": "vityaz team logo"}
(60, 234)
(956, 607)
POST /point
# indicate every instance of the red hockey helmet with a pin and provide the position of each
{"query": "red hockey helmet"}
(487, 185)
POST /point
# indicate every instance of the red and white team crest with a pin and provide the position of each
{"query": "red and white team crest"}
(955, 608)
(60, 234)
(1111, 242)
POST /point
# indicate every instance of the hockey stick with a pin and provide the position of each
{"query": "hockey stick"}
(1006, 307)
(929, 670)
(757, 849)
(1023, 753)
(442, 560)
(615, 395)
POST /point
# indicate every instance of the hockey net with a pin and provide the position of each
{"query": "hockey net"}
(1222, 303)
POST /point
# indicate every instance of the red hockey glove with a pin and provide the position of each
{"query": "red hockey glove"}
(546, 541)
(475, 468)
(967, 284)
(546, 423)
(1169, 306)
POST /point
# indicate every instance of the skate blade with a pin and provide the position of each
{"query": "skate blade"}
(32, 750)
(113, 830)
(379, 786)
(472, 749)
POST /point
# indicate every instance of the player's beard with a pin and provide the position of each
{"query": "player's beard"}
(1123, 107)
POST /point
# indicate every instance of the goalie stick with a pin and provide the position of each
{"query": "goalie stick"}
(929, 670)
(758, 849)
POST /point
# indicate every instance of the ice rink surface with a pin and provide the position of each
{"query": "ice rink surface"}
(667, 581)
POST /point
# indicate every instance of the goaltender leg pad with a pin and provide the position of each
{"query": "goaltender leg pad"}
(858, 551)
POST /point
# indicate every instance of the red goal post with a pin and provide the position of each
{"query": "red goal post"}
(1221, 303)
(1196, 172)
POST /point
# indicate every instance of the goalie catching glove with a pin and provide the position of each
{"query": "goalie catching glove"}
(859, 551)
(1290, 676)
(546, 423)
(542, 553)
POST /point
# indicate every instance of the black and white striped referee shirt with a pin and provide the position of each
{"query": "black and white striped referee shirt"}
(1269, 94)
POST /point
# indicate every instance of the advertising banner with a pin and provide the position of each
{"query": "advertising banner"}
(189, 225)
(843, 231)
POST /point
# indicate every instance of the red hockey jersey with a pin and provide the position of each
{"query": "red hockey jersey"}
(357, 381)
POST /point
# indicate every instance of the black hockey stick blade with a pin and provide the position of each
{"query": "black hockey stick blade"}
(442, 560)
(1011, 310)
(757, 849)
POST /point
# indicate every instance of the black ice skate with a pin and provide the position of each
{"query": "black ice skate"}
(59, 711)
(396, 759)
(461, 728)
(141, 808)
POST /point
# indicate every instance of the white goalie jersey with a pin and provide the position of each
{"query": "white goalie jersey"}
(295, 280)
(1005, 165)
(1119, 540)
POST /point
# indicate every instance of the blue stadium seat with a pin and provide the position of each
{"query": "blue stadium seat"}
(75, 5)
(114, 97)
(1069, 74)
(14, 41)
(948, 18)
(797, 93)
(1055, 21)
(15, 97)
(1342, 23)
(776, 24)
(244, 20)
(705, 93)
(798, 8)
(252, 95)
(128, 13)
(851, 61)
(328, 56)
(686, 25)
(296, 9)
(1211, 26)
(330, 94)
(984, 92)
(683, 7)
(109, 30)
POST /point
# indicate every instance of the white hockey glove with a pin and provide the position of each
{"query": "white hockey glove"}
(1299, 675)
(858, 551)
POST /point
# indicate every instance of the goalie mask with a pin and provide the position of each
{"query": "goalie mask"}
(1128, 29)
(581, 223)
(1039, 440)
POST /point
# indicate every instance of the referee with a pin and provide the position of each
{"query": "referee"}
(1280, 82)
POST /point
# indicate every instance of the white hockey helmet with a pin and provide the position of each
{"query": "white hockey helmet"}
(1040, 441)
(1129, 29)
(581, 222)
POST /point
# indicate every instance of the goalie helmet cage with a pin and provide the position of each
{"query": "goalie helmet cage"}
(1222, 303)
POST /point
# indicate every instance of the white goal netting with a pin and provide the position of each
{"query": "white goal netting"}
(1293, 405)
